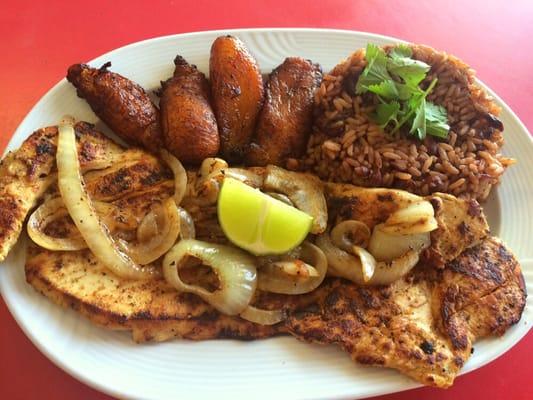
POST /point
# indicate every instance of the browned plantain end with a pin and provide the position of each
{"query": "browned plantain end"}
(237, 89)
(189, 126)
(285, 120)
(122, 104)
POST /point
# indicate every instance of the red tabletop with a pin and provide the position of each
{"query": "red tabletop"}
(38, 40)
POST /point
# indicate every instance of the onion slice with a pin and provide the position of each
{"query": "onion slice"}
(368, 262)
(281, 197)
(187, 229)
(423, 225)
(348, 266)
(273, 279)
(180, 175)
(411, 213)
(210, 176)
(263, 317)
(415, 218)
(385, 246)
(305, 191)
(235, 270)
(296, 268)
(48, 212)
(247, 176)
(161, 238)
(349, 233)
(82, 212)
(389, 272)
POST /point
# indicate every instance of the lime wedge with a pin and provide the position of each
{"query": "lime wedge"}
(257, 222)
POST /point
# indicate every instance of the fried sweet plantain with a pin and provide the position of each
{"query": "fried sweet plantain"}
(285, 120)
(189, 126)
(237, 89)
(122, 104)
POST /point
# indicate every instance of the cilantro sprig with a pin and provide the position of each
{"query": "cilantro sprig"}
(395, 80)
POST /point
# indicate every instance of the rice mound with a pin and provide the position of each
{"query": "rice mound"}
(346, 146)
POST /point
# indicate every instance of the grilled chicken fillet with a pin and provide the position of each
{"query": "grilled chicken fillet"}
(26, 174)
(461, 222)
(422, 325)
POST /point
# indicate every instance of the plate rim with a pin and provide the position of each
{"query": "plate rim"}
(56, 360)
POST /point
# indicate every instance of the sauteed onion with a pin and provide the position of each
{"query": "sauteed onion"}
(416, 218)
(349, 266)
(235, 270)
(82, 212)
(304, 191)
(350, 233)
(180, 175)
(46, 213)
(262, 317)
(156, 233)
(157, 227)
(385, 246)
(187, 229)
(273, 278)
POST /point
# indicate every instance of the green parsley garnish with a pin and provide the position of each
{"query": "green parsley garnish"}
(395, 80)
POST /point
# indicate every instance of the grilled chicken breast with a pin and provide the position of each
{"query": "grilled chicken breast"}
(237, 89)
(189, 125)
(285, 120)
(122, 104)
(26, 174)
(422, 325)
(461, 222)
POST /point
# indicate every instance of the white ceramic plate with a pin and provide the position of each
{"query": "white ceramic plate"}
(280, 368)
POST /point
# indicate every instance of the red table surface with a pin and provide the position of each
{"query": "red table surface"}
(38, 40)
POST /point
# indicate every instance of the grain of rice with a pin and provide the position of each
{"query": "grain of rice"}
(391, 156)
(453, 157)
(450, 168)
(403, 176)
(445, 146)
(490, 145)
(401, 154)
(378, 160)
(347, 98)
(443, 155)
(349, 151)
(400, 164)
(414, 171)
(413, 151)
(427, 164)
(331, 145)
(352, 162)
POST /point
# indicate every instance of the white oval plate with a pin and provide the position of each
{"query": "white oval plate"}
(279, 368)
